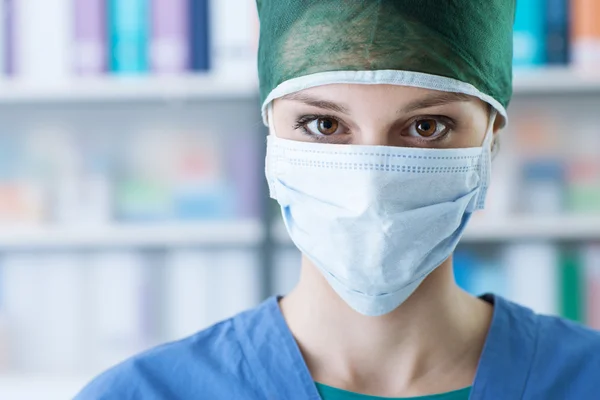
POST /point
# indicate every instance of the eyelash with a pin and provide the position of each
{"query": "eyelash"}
(306, 119)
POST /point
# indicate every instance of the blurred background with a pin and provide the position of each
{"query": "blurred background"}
(133, 207)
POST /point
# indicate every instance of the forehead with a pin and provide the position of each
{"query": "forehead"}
(353, 96)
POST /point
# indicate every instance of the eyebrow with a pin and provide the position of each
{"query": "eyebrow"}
(434, 100)
(315, 102)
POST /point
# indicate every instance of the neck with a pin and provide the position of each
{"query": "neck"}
(430, 344)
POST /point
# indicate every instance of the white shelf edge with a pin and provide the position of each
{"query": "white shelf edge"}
(242, 233)
(584, 228)
(545, 80)
(114, 88)
(551, 80)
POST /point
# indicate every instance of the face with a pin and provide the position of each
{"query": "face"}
(384, 115)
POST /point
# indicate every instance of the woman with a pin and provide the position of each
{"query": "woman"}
(383, 116)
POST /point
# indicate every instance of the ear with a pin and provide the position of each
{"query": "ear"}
(499, 123)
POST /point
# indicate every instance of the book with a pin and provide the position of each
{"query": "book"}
(8, 37)
(464, 263)
(286, 270)
(90, 37)
(129, 30)
(3, 34)
(188, 288)
(233, 51)
(529, 34)
(585, 31)
(236, 283)
(557, 32)
(42, 40)
(592, 279)
(572, 289)
(489, 277)
(42, 299)
(200, 34)
(532, 275)
(543, 186)
(116, 294)
(244, 155)
(169, 44)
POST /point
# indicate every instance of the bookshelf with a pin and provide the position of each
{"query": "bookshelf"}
(130, 89)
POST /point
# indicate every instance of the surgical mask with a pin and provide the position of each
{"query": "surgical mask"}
(376, 220)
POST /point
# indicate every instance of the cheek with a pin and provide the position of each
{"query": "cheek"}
(472, 137)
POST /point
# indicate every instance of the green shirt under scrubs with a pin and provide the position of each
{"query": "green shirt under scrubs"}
(330, 393)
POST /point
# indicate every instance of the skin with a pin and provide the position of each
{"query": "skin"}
(432, 342)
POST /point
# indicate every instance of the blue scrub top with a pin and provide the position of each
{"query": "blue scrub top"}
(254, 356)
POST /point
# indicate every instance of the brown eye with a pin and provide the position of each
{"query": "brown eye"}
(327, 126)
(426, 127)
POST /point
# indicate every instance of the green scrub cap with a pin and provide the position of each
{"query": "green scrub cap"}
(462, 46)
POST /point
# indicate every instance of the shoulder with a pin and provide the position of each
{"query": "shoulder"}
(210, 364)
(560, 339)
(567, 359)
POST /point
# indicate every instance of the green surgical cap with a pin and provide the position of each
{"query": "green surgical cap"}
(460, 46)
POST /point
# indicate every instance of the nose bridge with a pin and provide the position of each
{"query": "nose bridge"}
(375, 133)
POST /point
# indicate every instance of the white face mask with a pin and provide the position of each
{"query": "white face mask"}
(376, 220)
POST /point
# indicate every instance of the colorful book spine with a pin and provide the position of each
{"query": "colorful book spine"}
(8, 33)
(572, 290)
(90, 32)
(557, 32)
(3, 18)
(243, 164)
(543, 181)
(200, 35)
(529, 34)
(489, 276)
(592, 267)
(585, 34)
(464, 263)
(129, 28)
(43, 40)
(169, 44)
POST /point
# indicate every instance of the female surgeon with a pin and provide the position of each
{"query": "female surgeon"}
(384, 116)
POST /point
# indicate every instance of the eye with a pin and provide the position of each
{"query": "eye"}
(324, 126)
(427, 128)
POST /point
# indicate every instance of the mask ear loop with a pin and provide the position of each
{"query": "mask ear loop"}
(485, 161)
(271, 120)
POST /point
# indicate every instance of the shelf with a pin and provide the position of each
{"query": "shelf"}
(210, 87)
(238, 233)
(34, 387)
(526, 228)
(135, 88)
(579, 228)
(555, 81)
